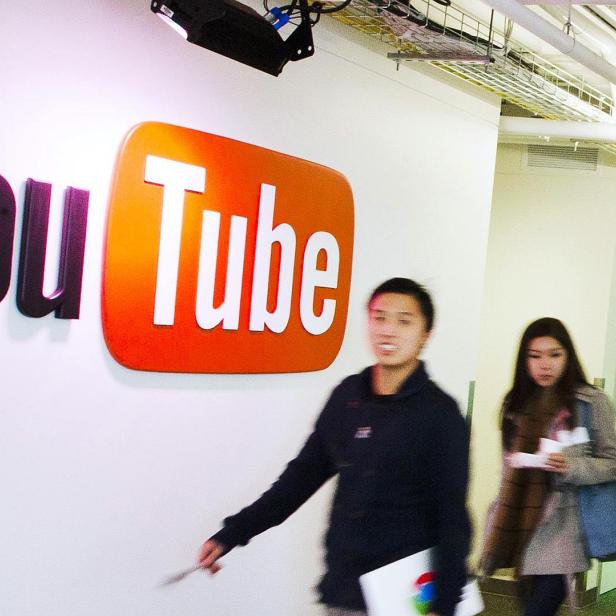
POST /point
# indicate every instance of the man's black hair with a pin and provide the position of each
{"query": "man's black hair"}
(406, 286)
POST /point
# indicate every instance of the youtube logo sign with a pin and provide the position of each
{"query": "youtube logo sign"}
(224, 257)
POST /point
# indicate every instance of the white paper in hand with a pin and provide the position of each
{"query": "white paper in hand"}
(406, 588)
(548, 445)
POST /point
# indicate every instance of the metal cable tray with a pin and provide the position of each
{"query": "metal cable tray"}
(462, 45)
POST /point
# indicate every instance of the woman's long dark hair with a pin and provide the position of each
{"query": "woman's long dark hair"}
(524, 387)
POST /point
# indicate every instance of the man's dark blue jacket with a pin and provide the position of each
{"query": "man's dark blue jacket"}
(402, 466)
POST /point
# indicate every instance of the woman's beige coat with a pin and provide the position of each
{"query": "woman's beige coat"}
(557, 545)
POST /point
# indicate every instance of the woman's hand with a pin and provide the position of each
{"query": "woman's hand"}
(556, 463)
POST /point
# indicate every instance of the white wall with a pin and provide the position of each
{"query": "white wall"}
(551, 252)
(111, 479)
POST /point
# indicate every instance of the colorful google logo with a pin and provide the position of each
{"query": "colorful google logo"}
(425, 592)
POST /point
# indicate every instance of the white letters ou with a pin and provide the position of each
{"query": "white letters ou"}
(178, 177)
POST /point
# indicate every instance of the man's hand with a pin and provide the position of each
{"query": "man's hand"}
(209, 553)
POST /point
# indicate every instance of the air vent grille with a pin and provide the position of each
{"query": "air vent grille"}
(563, 157)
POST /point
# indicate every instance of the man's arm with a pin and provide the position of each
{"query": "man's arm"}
(302, 477)
(449, 473)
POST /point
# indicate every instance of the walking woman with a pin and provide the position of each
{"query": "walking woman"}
(534, 525)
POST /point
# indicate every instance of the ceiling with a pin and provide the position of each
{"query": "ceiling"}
(469, 40)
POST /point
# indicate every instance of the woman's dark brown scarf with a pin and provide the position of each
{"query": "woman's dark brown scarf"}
(523, 490)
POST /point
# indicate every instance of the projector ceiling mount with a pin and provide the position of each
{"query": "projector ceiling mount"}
(237, 31)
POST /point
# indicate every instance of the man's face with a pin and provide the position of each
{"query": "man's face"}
(396, 329)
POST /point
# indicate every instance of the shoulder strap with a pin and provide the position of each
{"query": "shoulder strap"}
(584, 411)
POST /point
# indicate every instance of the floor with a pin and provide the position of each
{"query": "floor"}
(497, 605)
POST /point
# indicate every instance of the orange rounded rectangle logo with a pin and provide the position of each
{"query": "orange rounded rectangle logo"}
(224, 257)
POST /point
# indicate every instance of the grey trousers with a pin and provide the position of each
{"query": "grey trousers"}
(340, 611)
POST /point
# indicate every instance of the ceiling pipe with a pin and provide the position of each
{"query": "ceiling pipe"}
(605, 13)
(607, 27)
(585, 24)
(534, 127)
(550, 34)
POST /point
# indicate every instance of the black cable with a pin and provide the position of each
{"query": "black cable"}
(290, 8)
(317, 7)
(406, 11)
(335, 9)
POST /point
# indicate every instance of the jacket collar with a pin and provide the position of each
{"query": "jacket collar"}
(586, 393)
(415, 381)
